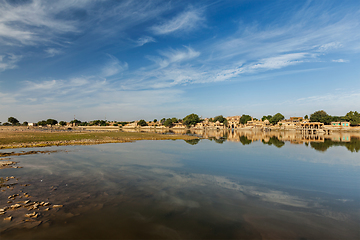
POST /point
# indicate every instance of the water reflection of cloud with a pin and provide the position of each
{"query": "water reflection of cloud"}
(333, 156)
(102, 160)
(170, 184)
(153, 184)
(174, 180)
(98, 159)
(267, 195)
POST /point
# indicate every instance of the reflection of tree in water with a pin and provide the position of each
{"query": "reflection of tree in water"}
(244, 140)
(192, 141)
(274, 141)
(220, 140)
(352, 146)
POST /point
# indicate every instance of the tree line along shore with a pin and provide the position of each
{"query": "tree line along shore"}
(193, 120)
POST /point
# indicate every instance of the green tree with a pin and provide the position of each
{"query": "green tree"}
(353, 118)
(76, 121)
(13, 121)
(42, 123)
(142, 122)
(25, 123)
(155, 120)
(245, 118)
(62, 123)
(98, 123)
(268, 117)
(191, 119)
(321, 116)
(86, 124)
(221, 119)
(51, 121)
(123, 123)
(168, 122)
(306, 117)
(276, 118)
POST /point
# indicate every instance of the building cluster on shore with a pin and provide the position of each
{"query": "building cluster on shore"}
(318, 122)
(233, 122)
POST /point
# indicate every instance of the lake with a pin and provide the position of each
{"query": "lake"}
(228, 186)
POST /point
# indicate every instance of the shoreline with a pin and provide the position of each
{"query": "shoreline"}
(23, 137)
(12, 137)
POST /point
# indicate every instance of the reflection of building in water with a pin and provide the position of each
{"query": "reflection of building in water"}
(339, 137)
(289, 136)
(212, 133)
(313, 138)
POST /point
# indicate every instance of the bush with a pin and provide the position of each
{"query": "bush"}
(321, 116)
(13, 121)
(142, 123)
(191, 119)
(245, 118)
(51, 121)
(276, 118)
(62, 123)
(168, 122)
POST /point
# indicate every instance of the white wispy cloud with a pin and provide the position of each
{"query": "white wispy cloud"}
(329, 46)
(178, 68)
(34, 21)
(6, 99)
(174, 56)
(186, 21)
(254, 50)
(143, 40)
(89, 97)
(340, 60)
(314, 34)
(279, 61)
(51, 52)
(9, 61)
(113, 67)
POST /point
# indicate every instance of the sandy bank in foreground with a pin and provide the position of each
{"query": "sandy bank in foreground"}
(23, 137)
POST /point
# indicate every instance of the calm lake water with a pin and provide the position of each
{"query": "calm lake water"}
(202, 189)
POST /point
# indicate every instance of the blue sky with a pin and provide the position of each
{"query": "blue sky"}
(127, 60)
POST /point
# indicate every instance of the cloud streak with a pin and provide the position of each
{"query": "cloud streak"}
(143, 40)
(35, 21)
(255, 50)
(186, 21)
(9, 61)
(113, 67)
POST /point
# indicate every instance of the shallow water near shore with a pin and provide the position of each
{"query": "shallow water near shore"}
(182, 190)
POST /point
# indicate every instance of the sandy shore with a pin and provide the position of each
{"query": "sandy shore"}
(25, 137)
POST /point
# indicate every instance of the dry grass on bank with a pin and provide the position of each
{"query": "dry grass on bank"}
(14, 139)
